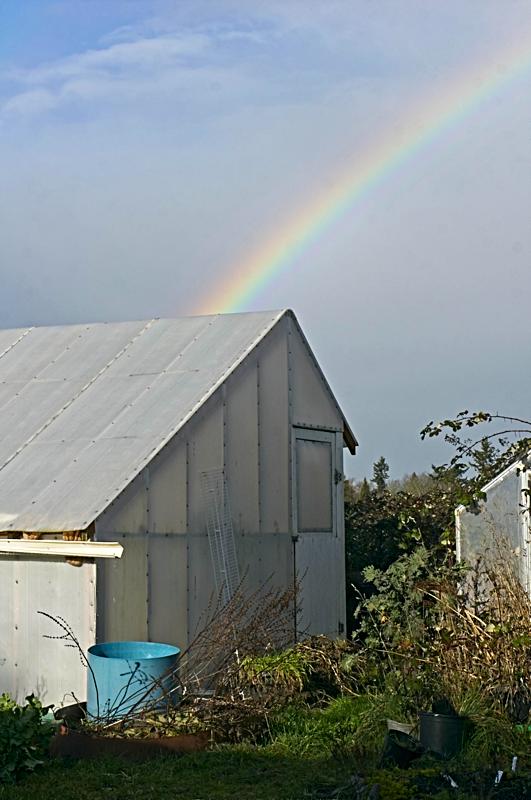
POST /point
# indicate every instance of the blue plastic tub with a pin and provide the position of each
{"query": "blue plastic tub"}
(129, 675)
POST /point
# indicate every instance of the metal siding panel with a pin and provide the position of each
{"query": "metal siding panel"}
(167, 489)
(168, 618)
(266, 557)
(35, 663)
(274, 432)
(205, 451)
(241, 448)
(201, 590)
(7, 624)
(318, 563)
(312, 402)
(340, 501)
(144, 380)
(127, 514)
(122, 591)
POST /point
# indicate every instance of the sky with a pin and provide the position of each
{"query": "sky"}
(148, 148)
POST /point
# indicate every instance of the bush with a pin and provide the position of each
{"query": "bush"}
(24, 737)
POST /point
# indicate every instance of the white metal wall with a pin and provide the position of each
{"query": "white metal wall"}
(503, 518)
(162, 586)
(29, 662)
(319, 557)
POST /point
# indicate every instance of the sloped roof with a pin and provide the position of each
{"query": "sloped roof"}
(83, 408)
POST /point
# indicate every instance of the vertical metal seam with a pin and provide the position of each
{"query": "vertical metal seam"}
(148, 546)
(291, 528)
(290, 426)
(187, 492)
(259, 445)
(224, 414)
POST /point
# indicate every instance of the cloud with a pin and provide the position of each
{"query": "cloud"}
(142, 54)
(146, 67)
(35, 101)
(256, 55)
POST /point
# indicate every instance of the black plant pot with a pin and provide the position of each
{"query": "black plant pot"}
(443, 734)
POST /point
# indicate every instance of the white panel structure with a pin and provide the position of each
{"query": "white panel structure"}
(499, 525)
(312, 402)
(128, 513)
(318, 539)
(241, 446)
(319, 562)
(30, 662)
(107, 428)
(168, 588)
(205, 452)
(168, 489)
(202, 594)
(267, 558)
(86, 408)
(275, 512)
(122, 592)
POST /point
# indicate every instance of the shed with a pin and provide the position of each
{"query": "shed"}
(106, 429)
(499, 521)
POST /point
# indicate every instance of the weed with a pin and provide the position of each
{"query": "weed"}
(24, 737)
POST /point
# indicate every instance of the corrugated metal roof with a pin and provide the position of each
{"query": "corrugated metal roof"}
(84, 407)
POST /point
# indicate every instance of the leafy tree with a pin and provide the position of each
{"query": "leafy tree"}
(484, 460)
(365, 490)
(512, 437)
(380, 474)
(380, 527)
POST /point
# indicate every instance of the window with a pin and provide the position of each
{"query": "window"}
(314, 479)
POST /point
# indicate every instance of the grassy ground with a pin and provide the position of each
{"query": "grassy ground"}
(311, 754)
(236, 772)
(248, 773)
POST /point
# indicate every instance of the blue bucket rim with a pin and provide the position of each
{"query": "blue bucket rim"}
(172, 650)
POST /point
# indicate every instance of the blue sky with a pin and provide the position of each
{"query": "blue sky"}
(146, 147)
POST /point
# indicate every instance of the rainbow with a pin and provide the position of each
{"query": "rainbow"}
(430, 119)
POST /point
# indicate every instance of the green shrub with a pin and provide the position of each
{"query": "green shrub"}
(24, 737)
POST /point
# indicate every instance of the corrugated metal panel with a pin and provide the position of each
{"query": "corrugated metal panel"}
(84, 408)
